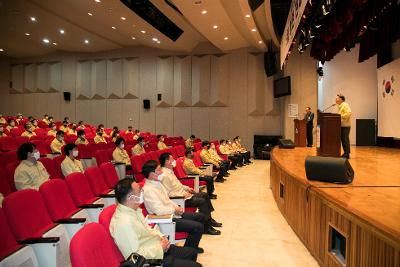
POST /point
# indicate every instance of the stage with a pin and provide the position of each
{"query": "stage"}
(366, 212)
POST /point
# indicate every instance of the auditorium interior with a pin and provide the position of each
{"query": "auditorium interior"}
(215, 133)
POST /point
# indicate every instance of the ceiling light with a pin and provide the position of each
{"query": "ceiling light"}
(204, 12)
(45, 40)
(133, 38)
(97, 1)
(253, 30)
(33, 19)
(143, 31)
(155, 39)
(123, 18)
(62, 31)
(54, 43)
(260, 42)
(158, 42)
(226, 38)
(27, 34)
(113, 27)
(1, 50)
(86, 41)
(215, 26)
(247, 16)
(90, 14)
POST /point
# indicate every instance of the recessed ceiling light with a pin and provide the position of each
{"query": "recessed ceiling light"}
(158, 42)
(247, 16)
(1, 50)
(260, 42)
(143, 31)
(86, 41)
(226, 38)
(90, 14)
(113, 27)
(54, 43)
(45, 40)
(123, 18)
(215, 26)
(33, 19)
(62, 31)
(133, 38)
(204, 12)
(155, 39)
(97, 1)
(27, 34)
(253, 30)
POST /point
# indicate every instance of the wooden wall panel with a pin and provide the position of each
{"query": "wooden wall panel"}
(201, 122)
(43, 77)
(17, 78)
(30, 78)
(130, 113)
(165, 120)
(55, 76)
(147, 91)
(84, 80)
(99, 79)
(255, 85)
(165, 81)
(200, 81)
(182, 81)
(114, 111)
(218, 123)
(114, 79)
(183, 121)
(219, 87)
(131, 78)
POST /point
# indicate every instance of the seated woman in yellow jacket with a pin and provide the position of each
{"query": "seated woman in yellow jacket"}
(120, 155)
(53, 129)
(29, 130)
(81, 140)
(57, 143)
(99, 138)
(70, 164)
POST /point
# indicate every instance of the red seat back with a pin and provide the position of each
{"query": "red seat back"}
(179, 170)
(41, 146)
(51, 168)
(10, 170)
(102, 156)
(26, 214)
(110, 174)
(197, 146)
(57, 163)
(8, 243)
(84, 151)
(137, 162)
(93, 246)
(21, 140)
(8, 143)
(57, 199)
(180, 150)
(96, 180)
(14, 132)
(5, 187)
(197, 159)
(79, 188)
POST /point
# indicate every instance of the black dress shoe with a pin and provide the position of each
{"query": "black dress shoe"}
(214, 223)
(212, 196)
(220, 180)
(232, 168)
(200, 250)
(347, 156)
(211, 231)
(226, 175)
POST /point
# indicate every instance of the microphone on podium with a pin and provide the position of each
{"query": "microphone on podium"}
(329, 107)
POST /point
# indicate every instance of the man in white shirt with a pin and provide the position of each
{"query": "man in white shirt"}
(192, 199)
(132, 234)
(157, 202)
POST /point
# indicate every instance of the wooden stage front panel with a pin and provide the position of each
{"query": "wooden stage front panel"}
(366, 212)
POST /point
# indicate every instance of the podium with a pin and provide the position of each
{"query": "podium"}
(329, 137)
(300, 132)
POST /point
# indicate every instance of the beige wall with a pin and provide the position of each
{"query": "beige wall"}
(209, 96)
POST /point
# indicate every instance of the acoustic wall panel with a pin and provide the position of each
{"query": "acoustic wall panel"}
(84, 80)
(55, 75)
(182, 121)
(43, 77)
(114, 111)
(255, 85)
(114, 79)
(165, 81)
(30, 75)
(201, 122)
(131, 78)
(148, 84)
(165, 120)
(219, 88)
(17, 78)
(182, 81)
(131, 113)
(99, 79)
(218, 123)
(200, 80)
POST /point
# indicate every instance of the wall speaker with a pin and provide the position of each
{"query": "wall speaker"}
(365, 132)
(159, 97)
(286, 143)
(329, 169)
(270, 63)
(67, 96)
(146, 104)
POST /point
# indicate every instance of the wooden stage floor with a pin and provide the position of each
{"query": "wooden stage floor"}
(372, 199)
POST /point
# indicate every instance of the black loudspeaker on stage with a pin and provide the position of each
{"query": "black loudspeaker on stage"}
(286, 143)
(329, 169)
(146, 104)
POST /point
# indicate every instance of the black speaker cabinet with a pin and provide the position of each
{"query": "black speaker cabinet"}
(286, 143)
(270, 63)
(329, 169)
(146, 104)
(365, 132)
(67, 96)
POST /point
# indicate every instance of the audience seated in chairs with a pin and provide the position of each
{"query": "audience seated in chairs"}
(175, 188)
(138, 149)
(2, 134)
(240, 149)
(100, 138)
(11, 124)
(30, 173)
(120, 155)
(70, 164)
(161, 145)
(157, 202)
(64, 127)
(189, 142)
(207, 158)
(81, 140)
(53, 130)
(190, 168)
(29, 130)
(57, 143)
(132, 234)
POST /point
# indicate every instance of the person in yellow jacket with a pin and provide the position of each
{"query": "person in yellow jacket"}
(189, 142)
(11, 124)
(235, 158)
(81, 140)
(190, 168)
(345, 115)
(72, 130)
(161, 145)
(57, 143)
(2, 119)
(46, 119)
(99, 138)
(207, 158)
(2, 134)
(240, 149)
(70, 164)
(53, 130)
(120, 155)
(64, 127)
(138, 149)
(29, 131)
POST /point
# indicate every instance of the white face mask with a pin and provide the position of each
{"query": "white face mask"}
(75, 153)
(139, 199)
(122, 146)
(173, 164)
(160, 177)
(36, 155)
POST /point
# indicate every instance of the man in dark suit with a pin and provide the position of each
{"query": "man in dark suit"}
(309, 118)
